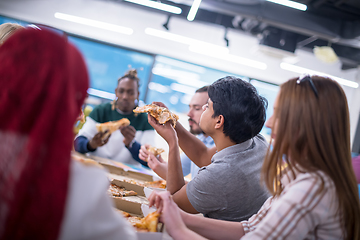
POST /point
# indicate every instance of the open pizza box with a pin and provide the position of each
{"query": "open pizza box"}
(120, 169)
(122, 181)
(141, 210)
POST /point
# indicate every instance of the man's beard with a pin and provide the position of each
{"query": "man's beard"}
(196, 131)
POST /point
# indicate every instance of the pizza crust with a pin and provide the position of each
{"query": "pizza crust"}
(112, 126)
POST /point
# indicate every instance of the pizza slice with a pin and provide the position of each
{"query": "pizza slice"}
(116, 191)
(149, 222)
(111, 126)
(161, 114)
(154, 184)
(155, 151)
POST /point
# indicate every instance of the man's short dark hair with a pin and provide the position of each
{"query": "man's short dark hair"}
(244, 110)
(203, 89)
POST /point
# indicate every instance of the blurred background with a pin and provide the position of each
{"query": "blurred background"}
(187, 44)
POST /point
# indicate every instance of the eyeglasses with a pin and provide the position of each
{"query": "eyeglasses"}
(305, 78)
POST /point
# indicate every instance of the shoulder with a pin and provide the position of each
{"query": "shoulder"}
(261, 141)
(310, 187)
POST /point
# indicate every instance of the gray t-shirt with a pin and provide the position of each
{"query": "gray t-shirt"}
(230, 188)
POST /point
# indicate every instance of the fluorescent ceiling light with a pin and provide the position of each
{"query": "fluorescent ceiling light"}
(231, 58)
(102, 94)
(301, 70)
(183, 77)
(185, 40)
(205, 48)
(193, 10)
(291, 4)
(94, 23)
(182, 88)
(158, 87)
(157, 5)
(180, 64)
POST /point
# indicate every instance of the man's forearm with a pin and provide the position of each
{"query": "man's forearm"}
(195, 149)
(81, 145)
(174, 179)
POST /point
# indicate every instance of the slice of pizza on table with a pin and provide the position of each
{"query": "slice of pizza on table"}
(112, 126)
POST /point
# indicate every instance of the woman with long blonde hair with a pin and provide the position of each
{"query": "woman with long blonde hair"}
(308, 172)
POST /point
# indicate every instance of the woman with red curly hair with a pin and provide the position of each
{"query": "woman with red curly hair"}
(43, 194)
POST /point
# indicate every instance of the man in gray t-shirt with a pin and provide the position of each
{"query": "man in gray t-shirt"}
(228, 184)
(229, 188)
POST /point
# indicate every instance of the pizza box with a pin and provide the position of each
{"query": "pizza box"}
(140, 190)
(140, 210)
(129, 186)
(117, 168)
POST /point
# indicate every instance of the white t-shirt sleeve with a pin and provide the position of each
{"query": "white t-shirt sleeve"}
(89, 128)
(145, 137)
(89, 212)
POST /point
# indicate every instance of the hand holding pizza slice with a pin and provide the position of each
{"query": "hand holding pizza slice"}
(111, 126)
(149, 222)
(154, 150)
(161, 114)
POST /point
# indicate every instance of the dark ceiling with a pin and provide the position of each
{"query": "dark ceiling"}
(325, 22)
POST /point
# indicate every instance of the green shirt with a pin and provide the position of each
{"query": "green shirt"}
(103, 113)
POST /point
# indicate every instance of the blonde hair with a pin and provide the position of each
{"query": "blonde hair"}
(7, 29)
(313, 133)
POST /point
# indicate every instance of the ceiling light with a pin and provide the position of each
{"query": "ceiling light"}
(230, 58)
(205, 48)
(291, 4)
(193, 10)
(185, 40)
(94, 23)
(301, 70)
(158, 87)
(102, 94)
(157, 5)
(179, 64)
(182, 88)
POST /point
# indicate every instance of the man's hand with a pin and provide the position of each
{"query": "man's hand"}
(98, 141)
(158, 165)
(129, 134)
(166, 130)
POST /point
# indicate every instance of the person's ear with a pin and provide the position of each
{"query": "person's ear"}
(219, 121)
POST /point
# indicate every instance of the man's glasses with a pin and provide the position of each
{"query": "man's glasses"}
(307, 78)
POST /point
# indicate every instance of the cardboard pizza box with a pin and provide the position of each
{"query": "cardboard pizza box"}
(129, 186)
(121, 181)
(140, 210)
(121, 169)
